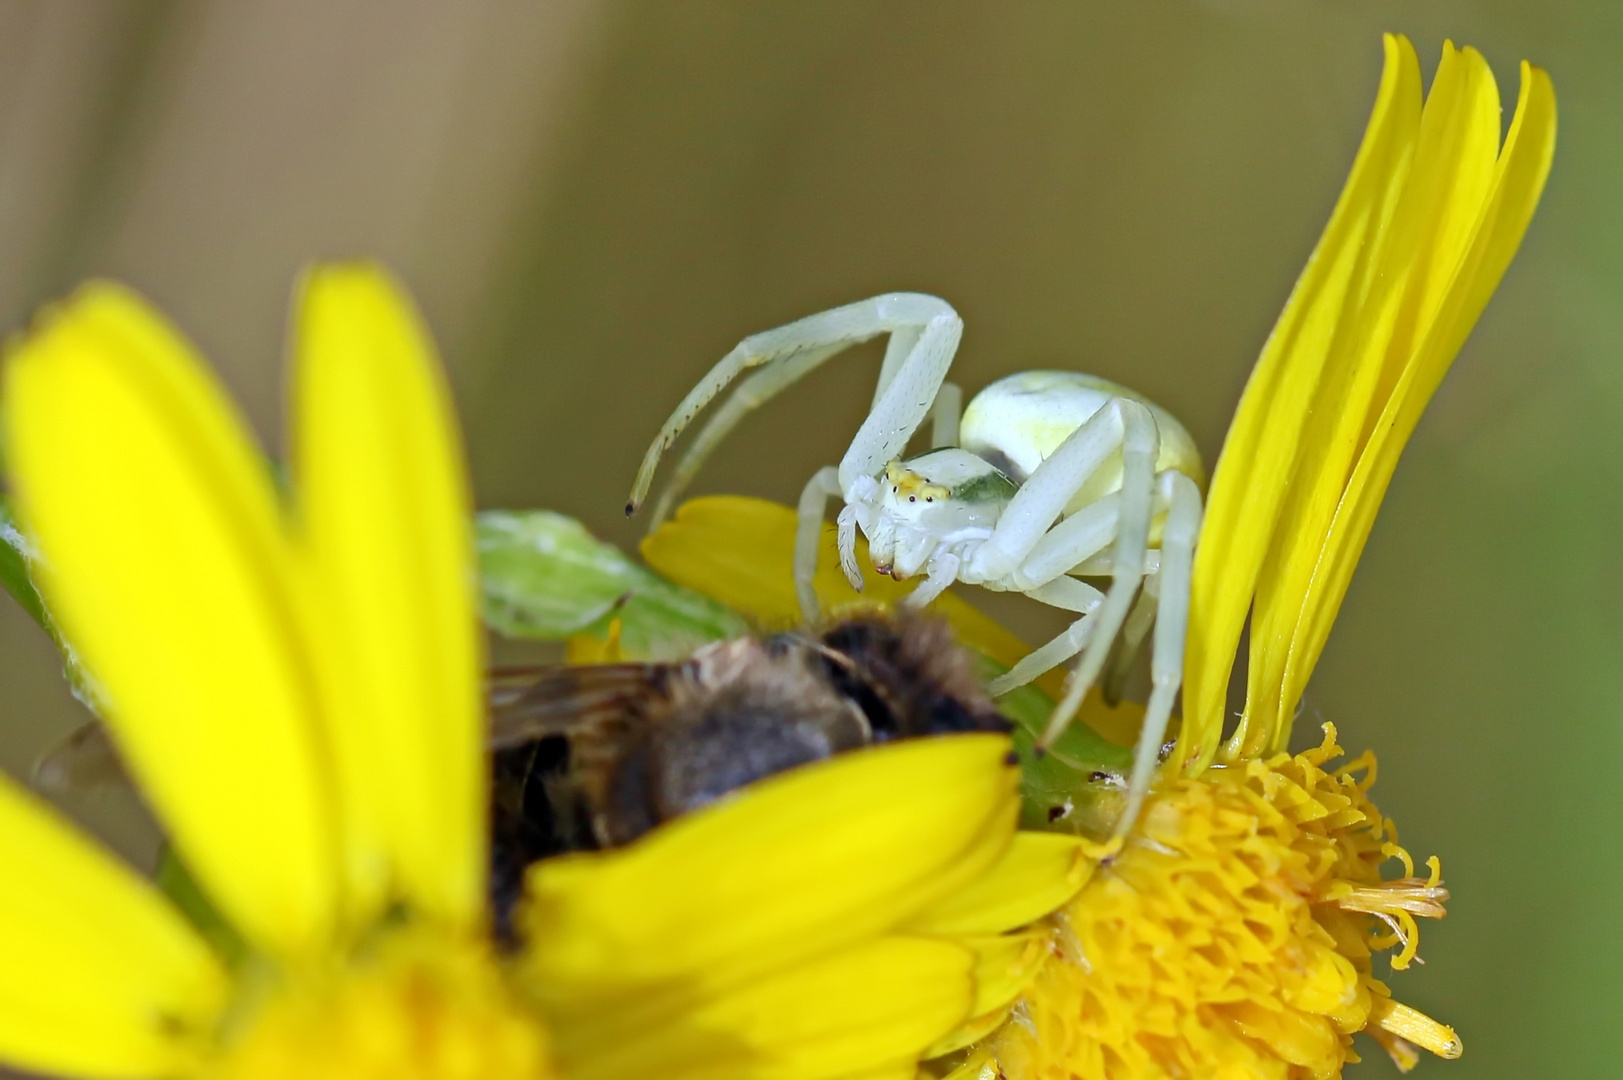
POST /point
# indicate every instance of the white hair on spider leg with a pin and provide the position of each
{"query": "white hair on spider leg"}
(1044, 477)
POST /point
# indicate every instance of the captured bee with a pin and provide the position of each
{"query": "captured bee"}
(593, 757)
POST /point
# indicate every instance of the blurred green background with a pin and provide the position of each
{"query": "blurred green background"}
(594, 201)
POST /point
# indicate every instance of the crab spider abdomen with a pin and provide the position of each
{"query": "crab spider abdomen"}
(1017, 422)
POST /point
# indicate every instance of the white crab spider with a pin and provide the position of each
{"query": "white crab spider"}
(1045, 476)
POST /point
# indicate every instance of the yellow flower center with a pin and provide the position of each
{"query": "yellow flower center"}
(1233, 936)
(418, 1008)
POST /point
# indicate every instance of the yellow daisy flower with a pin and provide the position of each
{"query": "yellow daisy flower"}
(296, 686)
(1232, 935)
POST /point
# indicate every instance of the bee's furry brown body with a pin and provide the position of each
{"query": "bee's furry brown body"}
(595, 756)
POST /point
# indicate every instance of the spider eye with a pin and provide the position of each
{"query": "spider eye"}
(929, 498)
(912, 498)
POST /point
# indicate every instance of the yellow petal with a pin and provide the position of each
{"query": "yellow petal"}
(1260, 450)
(1426, 225)
(1004, 967)
(385, 516)
(166, 567)
(740, 551)
(1038, 873)
(1353, 370)
(1396, 347)
(586, 649)
(1518, 181)
(795, 866)
(970, 1031)
(1452, 162)
(864, 1010)
(100, 976)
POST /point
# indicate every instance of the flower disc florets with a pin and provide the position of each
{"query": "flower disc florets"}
(1233, 935)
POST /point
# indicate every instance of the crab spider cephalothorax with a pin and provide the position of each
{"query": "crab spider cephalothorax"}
(1044, 478)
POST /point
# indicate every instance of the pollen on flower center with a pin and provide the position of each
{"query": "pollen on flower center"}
(420, 1008)
(1233, 936)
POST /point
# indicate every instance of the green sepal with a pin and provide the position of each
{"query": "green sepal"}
(545, 577)
(175, 881)
(16, 555)
(1076, 786)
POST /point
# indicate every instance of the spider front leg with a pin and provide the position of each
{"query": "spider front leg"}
(751, 394)
(925, 333)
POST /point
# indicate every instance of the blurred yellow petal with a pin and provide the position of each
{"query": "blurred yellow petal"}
(906, 1069)
(1037, 874)
(296, 688)
(740, 552)
(1395, 348)
(797, 865)
(862, 1010)
(1259, 452)
(165, 565)
(385, 516)
(100, 977)
(415, 1003)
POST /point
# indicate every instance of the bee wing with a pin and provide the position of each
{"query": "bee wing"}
(530, 704)
(84, 760)
(505, 685)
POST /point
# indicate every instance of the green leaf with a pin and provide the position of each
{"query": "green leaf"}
(545, 577)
